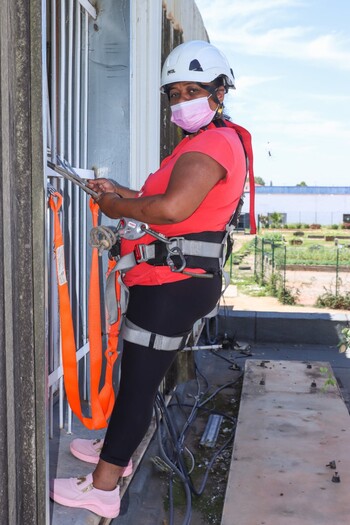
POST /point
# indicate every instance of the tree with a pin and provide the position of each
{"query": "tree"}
(259, 180)
(275, 219)
(302, 183)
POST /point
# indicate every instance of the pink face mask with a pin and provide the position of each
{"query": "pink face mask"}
(193, 114)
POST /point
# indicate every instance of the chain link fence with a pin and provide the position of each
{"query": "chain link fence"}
(273, 258)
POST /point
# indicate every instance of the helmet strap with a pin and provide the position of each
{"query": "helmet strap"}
(212, 91)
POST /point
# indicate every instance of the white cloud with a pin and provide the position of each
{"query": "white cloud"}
(257, 36)
(245, 82)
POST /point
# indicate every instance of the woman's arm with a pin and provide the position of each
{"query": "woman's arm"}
(193, 176)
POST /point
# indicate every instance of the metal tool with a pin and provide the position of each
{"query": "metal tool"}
(68, 173)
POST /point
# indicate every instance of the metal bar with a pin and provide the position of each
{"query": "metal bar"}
(62, 78)
(61, 399)
(211, 431)
(53, 82)
(70, 82)
(85, 70)
(89, 8)
(76, 155)
(84, 154)
(77, 84)
(69, 120)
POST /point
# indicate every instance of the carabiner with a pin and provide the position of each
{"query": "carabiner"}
(173, 252)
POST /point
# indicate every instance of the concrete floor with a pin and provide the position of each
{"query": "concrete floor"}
(143, 502)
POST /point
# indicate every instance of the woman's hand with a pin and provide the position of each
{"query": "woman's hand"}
(103, 185)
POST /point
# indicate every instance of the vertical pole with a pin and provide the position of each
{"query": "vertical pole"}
(255, 256)
(337, 273)
(23, 367)
(284, 272)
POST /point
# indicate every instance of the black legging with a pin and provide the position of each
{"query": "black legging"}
(168, 309)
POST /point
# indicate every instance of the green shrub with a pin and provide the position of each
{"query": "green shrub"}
(275, 287)
(273, 237)
(336, 302)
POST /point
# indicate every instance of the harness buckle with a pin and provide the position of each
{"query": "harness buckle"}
(140, 253)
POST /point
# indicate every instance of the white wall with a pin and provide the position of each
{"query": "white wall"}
(307, 208)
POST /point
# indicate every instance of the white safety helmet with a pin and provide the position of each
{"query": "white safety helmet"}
(196, 61)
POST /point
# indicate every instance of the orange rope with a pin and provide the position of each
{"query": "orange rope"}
(102, 401)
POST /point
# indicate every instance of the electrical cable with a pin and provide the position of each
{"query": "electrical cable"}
(210, 340)
(172, 448)
(175, 469)
(214, 352)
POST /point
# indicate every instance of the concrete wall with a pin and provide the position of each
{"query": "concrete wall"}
(23, 369)
(277, 327)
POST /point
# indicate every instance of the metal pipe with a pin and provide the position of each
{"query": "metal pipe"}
(85, 77)
(62, 79)
(77, 84)
(53, 82)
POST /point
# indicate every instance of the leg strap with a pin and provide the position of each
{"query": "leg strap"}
(135, 334)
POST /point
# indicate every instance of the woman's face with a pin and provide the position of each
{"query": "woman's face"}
(185, 91)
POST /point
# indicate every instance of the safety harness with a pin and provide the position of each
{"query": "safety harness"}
(208, 250)
(102, 400)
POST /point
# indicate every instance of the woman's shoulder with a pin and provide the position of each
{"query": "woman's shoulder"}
(216, 137)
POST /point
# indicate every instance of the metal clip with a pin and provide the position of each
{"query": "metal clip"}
(173, 252)
(130, 229)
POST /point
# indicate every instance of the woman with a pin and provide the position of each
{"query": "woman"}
(193, 196)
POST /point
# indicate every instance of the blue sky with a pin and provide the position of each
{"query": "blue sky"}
(291, 60)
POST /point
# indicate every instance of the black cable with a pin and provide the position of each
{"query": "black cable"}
(207, 330)
(215, 352)
(174, 457)
(174, 469)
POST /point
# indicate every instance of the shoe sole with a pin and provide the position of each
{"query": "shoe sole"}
(88, 506)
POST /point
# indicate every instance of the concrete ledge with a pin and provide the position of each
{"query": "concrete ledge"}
(292, 426)
(286, 327)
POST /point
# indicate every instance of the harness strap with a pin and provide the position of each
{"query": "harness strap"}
(102, 401)
(137, 335)
(246, 140)
(186, 250)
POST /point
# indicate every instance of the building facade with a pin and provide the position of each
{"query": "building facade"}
(79, 86)
(325, 205)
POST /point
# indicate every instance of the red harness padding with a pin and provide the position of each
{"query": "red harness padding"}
(102, 401)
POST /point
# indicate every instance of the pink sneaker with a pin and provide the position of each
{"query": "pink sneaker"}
(89, 450)
(80, 493)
